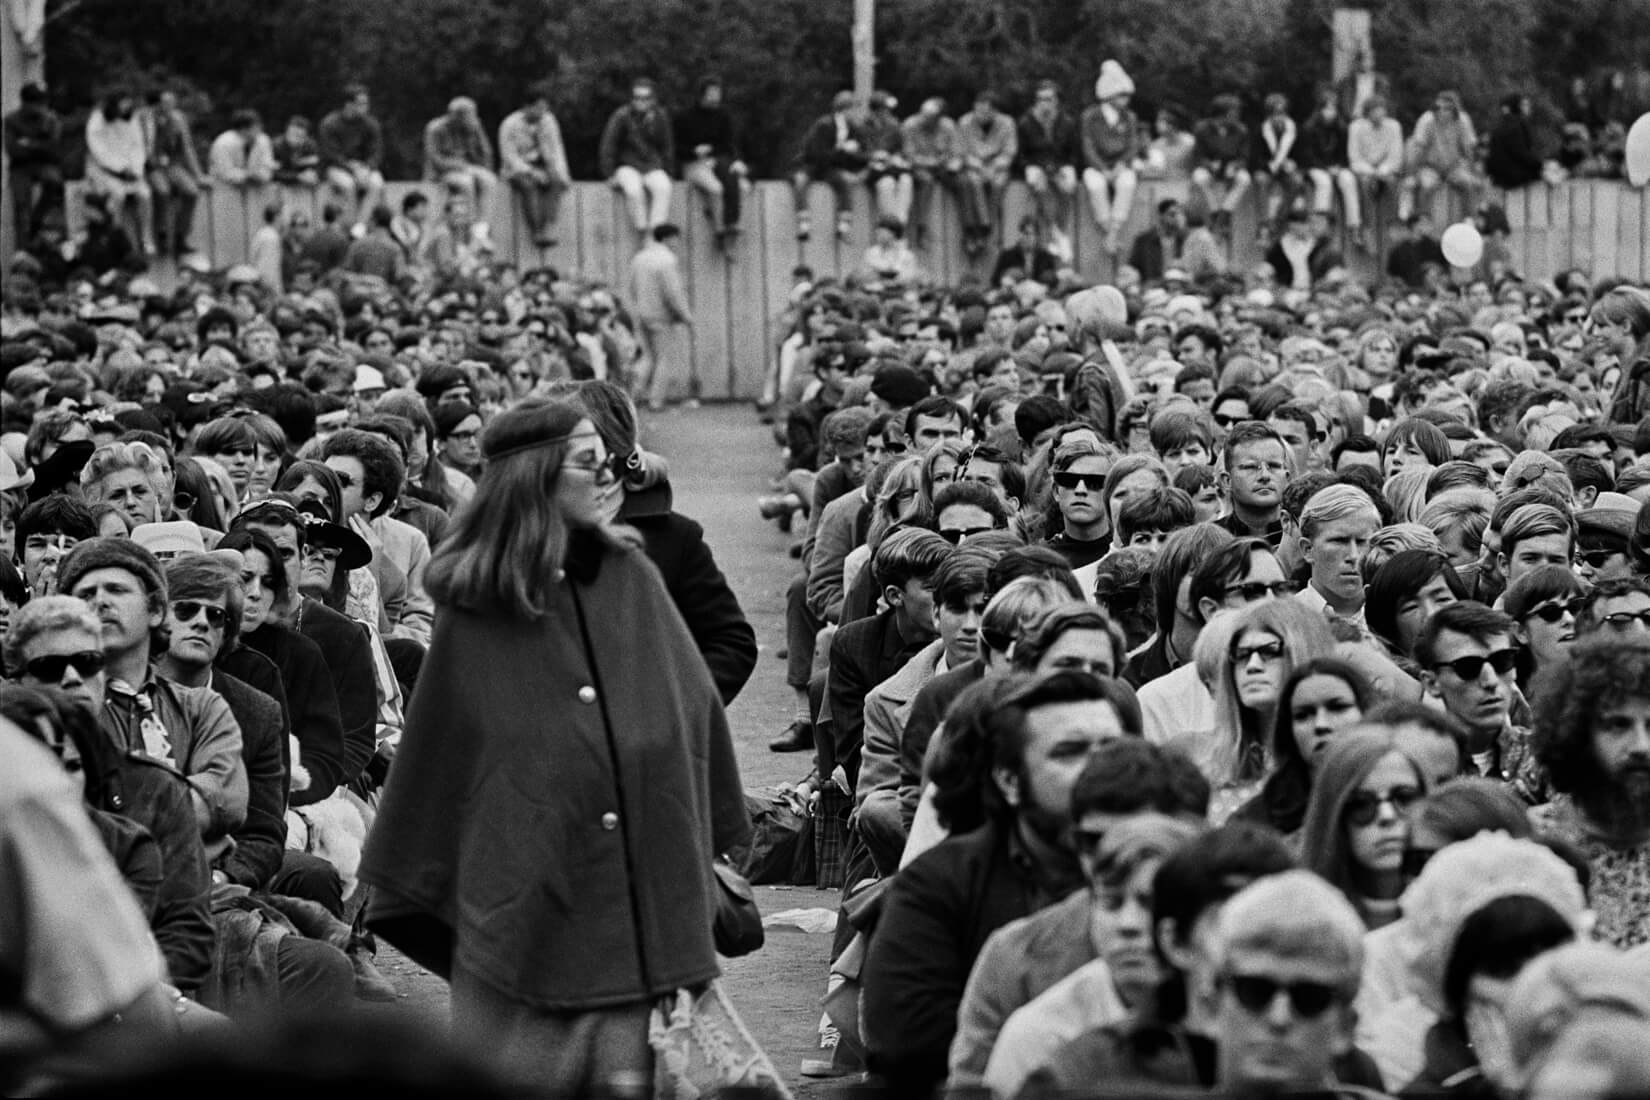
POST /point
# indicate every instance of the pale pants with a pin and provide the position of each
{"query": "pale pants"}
(1111, 193)
(365, 188)
(661, 348)
(1052, 193)
(1325, 182)
(602, 1051)
(1237, 185)
(119, 193)
(477, 183)
(1426, 180)
(893, 193)
(722, 190)
(647, 195)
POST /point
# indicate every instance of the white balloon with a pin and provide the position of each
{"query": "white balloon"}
(1461, 244)
(1638, 152)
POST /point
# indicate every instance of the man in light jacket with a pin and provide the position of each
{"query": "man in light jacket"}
(661, 304)
(534, 162)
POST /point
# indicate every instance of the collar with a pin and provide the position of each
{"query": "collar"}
(584, 556)
(1052, 883)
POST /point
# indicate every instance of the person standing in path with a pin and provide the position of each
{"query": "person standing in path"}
(660, 303)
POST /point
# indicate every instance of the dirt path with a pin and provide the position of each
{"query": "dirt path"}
(721, 459)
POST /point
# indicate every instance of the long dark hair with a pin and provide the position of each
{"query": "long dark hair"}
(1285, 793)
(505, 548)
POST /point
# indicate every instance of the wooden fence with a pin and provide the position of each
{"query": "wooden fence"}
(740, 296)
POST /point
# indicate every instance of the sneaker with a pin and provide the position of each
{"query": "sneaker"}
(777, 506)
(691, 403)
(798, 736)
(370, 984)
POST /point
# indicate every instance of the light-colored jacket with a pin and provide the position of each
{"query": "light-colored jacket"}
(231, 161)
(1372, 150)
(656, 293)
(992, 150)
(406, 547)
(114, 146)
(1441, 144)
(524, 145)
(887, 707)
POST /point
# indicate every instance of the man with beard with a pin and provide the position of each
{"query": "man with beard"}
(944, 905)
(1592, 716)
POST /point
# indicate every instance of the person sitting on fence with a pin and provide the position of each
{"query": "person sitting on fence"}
(1171, 153)
(458, 153)
(833, 152)
(712, 165)
(988, 146)
(1375, 152)
(889, 261)
(889, 172)
(1512, 161)
(932, 147)
(297, 157)
(1049, 149)
(116, 160)
(242, 155)
(173, 170)
(1275, 164)
(34, 137)
(351, 145)
(1111, 153)
(637, 154)
(1442, 152)
(534, 162)
(1222, 150)
(1322, 151)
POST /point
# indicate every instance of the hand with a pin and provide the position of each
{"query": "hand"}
(701, 150)
(738, 168)
(850, 146)
(308, 176)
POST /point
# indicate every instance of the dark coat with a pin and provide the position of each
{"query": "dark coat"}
(1320, 142)
(1146, 255)
(259, 843)
(311, 700)
(1512, 160)
(156, 796)
(346, 649)
(638, 139)
(937, 915)
(676, 546)
(821, 154)
(559, 793)
(863, 655)
(927, 712)
(1049, 146)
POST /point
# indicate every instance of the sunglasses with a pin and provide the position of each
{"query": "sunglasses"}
(1620, 619)
(612, 464)
(1256, 993)
(1555, 610)
(50, 669)
(1364, 806)
(1259, 590)
(956, 534)
(1065, 479)
(327, 553)
(1266, 651)
(1502, 661)
(1596, 559)
(187, 610)
(464, 437)
(1226, 421)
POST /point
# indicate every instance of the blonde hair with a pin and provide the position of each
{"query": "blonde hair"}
(1239, 751)
(112, 458)
(1394, 539)
(1406, 491)
(906, 475)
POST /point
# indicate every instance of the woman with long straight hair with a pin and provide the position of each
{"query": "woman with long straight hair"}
(566, 776)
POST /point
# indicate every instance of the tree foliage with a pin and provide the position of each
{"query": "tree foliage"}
(782, 59)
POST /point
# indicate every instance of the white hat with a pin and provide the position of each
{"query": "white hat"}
(1113, 81)
(368, 378)
(9, 477)
(166, 539)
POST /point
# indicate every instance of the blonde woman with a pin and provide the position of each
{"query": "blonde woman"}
(1244, 657)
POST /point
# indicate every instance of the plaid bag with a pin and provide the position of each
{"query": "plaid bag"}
(831, 836)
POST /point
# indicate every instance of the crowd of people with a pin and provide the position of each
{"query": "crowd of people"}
(1345, 145)
(1233, 686)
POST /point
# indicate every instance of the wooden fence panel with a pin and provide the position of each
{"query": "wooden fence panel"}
(741, 297)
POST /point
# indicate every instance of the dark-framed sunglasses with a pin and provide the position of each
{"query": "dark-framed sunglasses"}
(187, 610)
(1363, 807)
(1065, 479)
(1554, 610)
(52, 668)
(1256, 993)
(1502, 661)
(956, 534)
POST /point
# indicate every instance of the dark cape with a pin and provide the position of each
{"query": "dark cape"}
(559, 792)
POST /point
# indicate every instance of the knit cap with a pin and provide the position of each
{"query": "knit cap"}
(1113, 81)
(110, 553)
(1463, 878)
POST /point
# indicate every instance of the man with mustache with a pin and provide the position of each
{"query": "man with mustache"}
(1592, 721)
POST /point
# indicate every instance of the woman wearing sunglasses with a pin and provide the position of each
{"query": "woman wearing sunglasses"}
(1543, 605)
(1357, 820)
(1249, 654)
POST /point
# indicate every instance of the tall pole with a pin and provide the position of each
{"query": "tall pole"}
(865, 57)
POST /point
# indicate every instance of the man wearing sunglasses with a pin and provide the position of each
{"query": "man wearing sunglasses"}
(1618, 608)
(1289, 959)
(1468, 662)
(193, 729)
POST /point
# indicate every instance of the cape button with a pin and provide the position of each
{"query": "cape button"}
(610, 821)
(587, 694)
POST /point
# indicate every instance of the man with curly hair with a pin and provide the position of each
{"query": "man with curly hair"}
(1592, 722)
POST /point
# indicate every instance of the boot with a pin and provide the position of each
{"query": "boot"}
(799, 735)
(370, 984)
